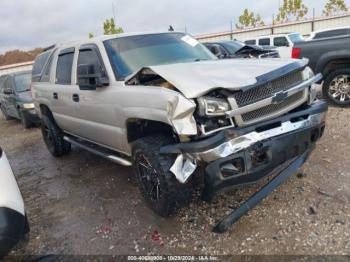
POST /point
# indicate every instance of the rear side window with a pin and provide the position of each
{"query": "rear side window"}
(40, 63)
(264, 41)
(250, 42)
(280, 41)
(64, 67)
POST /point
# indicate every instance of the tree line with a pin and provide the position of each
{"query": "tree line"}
(290, 10)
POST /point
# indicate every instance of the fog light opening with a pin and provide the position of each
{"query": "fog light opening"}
(233, 167)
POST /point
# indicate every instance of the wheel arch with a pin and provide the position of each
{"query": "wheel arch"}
(138, 127)
(329, 63)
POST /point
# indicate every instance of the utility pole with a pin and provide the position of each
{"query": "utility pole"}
(113, 10)
(313, 20)
(231, 30)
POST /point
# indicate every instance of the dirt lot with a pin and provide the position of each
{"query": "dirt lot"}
(82, 204)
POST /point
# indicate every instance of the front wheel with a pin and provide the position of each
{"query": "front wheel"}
(336, 87)
(26, 123)
(53, 137)
(159, 187)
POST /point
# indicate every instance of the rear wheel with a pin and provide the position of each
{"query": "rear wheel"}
(336, 87)
(4, 113)
(53, 137)
(159, 187)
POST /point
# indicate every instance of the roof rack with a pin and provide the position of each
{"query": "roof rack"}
(49, 47)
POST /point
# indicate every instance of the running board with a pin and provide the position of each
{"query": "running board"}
(98, 150)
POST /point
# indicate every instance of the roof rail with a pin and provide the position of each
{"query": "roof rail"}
(49, 47)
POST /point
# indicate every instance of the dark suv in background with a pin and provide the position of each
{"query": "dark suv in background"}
(16, 98)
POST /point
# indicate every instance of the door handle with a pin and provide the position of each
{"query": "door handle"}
(55, 95)
(75, 97)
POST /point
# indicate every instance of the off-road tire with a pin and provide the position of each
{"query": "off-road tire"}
(173, 194)
(326, 87)
(26, 123)
(4, 113)
(53, 137)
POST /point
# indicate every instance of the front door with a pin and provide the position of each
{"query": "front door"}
(97, 110)
(10, 98)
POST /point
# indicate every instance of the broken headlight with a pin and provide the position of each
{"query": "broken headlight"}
(307, 73)
(212, 106)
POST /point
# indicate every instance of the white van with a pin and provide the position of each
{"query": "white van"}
(283, 42)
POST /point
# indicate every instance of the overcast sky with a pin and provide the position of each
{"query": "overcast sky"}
(26, 24)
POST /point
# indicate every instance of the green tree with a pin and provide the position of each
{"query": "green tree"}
(291, 10)
(334, 7)
(249, 19)
(109, 27)
(91, 35)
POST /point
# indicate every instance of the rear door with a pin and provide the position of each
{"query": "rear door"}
(62, 105)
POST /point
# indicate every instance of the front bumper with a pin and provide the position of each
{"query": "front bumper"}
(31, 115)
(241, 156)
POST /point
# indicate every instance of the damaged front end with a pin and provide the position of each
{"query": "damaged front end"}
(241, 134)
(247, 135)
(245, 155)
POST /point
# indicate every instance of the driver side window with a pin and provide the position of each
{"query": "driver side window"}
(89, 57)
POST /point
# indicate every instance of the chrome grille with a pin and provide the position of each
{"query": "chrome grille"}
(273, 108)
(268, 89)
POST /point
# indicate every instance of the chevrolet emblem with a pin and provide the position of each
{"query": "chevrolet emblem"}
(279, 97)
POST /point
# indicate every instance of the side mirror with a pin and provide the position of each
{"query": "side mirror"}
(90, 77)
(8, 91)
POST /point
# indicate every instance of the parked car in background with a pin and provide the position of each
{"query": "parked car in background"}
(13, 220)
(331, 57)
(330, 32)
(165, 104)
(16, 98)
(283, 42)
(237, 49)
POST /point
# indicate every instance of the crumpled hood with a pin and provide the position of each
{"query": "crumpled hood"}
(195, 79)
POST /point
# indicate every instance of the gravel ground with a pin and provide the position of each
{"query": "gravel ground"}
(82, 204)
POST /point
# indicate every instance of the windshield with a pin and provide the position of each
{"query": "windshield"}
(233, 46)
(22, 82)
(295, 38)
(130, 54)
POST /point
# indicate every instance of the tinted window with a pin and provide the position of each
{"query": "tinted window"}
(89, 57)
(129, 54)
(264, 41)
(331, 33)
(46, 75)
(64, 68)
(22, 82)
(250, 42)
(280, 41)
(39, 63)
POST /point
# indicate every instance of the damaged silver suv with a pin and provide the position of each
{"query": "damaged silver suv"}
(164, 104)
